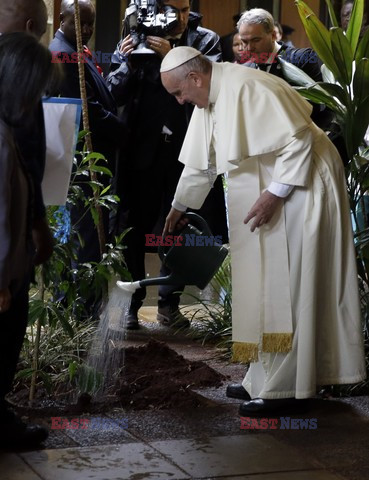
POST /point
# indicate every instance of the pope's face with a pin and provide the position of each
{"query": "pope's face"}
(256, 40)
(193, 89)
(183, 8)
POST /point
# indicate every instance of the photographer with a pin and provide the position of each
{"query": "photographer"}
(149, 169)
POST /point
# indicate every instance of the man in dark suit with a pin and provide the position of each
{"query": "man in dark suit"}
(107, 129)
(149, 169)
(256, 28)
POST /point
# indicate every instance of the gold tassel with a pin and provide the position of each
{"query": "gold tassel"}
(245, 352)
(277, 342)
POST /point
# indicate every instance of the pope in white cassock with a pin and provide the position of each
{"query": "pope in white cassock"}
(295, 312)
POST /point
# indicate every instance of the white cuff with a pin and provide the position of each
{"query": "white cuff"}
(178, 206)
(280, 189)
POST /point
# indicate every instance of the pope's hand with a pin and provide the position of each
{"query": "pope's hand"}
(263, 209)
(175, 219)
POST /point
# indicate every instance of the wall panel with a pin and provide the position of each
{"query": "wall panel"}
(218, 14)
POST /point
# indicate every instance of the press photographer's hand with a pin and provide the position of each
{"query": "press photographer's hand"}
(126, 47)
(159, 45)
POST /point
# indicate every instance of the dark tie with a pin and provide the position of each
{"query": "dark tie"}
(263, 66)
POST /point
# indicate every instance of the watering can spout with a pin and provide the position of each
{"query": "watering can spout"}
(131, 287)
(193, 264)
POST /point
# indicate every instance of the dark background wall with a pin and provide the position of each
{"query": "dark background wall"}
(217, 15)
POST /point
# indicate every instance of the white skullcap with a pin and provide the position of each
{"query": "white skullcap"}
(177, 57)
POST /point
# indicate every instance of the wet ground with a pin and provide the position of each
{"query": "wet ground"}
(205, 442)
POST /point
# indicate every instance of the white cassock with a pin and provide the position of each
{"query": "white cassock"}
(295, 304)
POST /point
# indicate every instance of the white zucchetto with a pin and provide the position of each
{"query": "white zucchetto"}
(177, 57)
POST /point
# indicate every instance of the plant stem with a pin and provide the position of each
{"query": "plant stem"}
(86, 123)
(37, 343)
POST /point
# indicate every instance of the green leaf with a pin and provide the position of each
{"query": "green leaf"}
(327, 75)
(82, 134)
(317, 96)
(318, 35)
(98, 169)
(72, 369)
(67, 327)
(25, 373)
(361, 81)
(332, 14)
(95, 216)
(360, 123)
(363, 47)
(106, 189)
(342, 53)
(336, 91)
(295, 75)
(354, 26)
(94, 156)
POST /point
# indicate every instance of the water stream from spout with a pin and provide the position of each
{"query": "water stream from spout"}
(106, 357)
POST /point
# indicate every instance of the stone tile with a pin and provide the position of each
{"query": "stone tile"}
(102, 431)
(306, 475)
(13, 468)
(232, 455)
(173, 424)
(131, 461)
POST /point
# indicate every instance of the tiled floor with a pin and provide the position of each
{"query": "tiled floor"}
(236, 457)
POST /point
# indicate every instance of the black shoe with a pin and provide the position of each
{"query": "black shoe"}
(17, 434)
(236, 390)
(260, 407)
(132, 320)
(172, 317)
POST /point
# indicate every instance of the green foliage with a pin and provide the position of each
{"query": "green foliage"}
(58, 301)
(62, 352)
(345, 91)
(212, 322)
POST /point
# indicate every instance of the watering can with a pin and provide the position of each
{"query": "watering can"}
(193, 259)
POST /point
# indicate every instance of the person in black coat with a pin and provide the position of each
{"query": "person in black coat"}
(256, 28)
(26, 63)
(31, 16)
(106, 127)
(149, 169)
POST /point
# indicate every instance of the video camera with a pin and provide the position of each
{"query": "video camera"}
(149, 17)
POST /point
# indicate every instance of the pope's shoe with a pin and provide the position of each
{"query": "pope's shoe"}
(260, 407)
(236, 390)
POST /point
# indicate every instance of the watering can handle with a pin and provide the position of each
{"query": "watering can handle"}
(199, 222)
(196, 221)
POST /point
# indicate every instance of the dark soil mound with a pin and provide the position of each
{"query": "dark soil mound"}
(155, 376)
